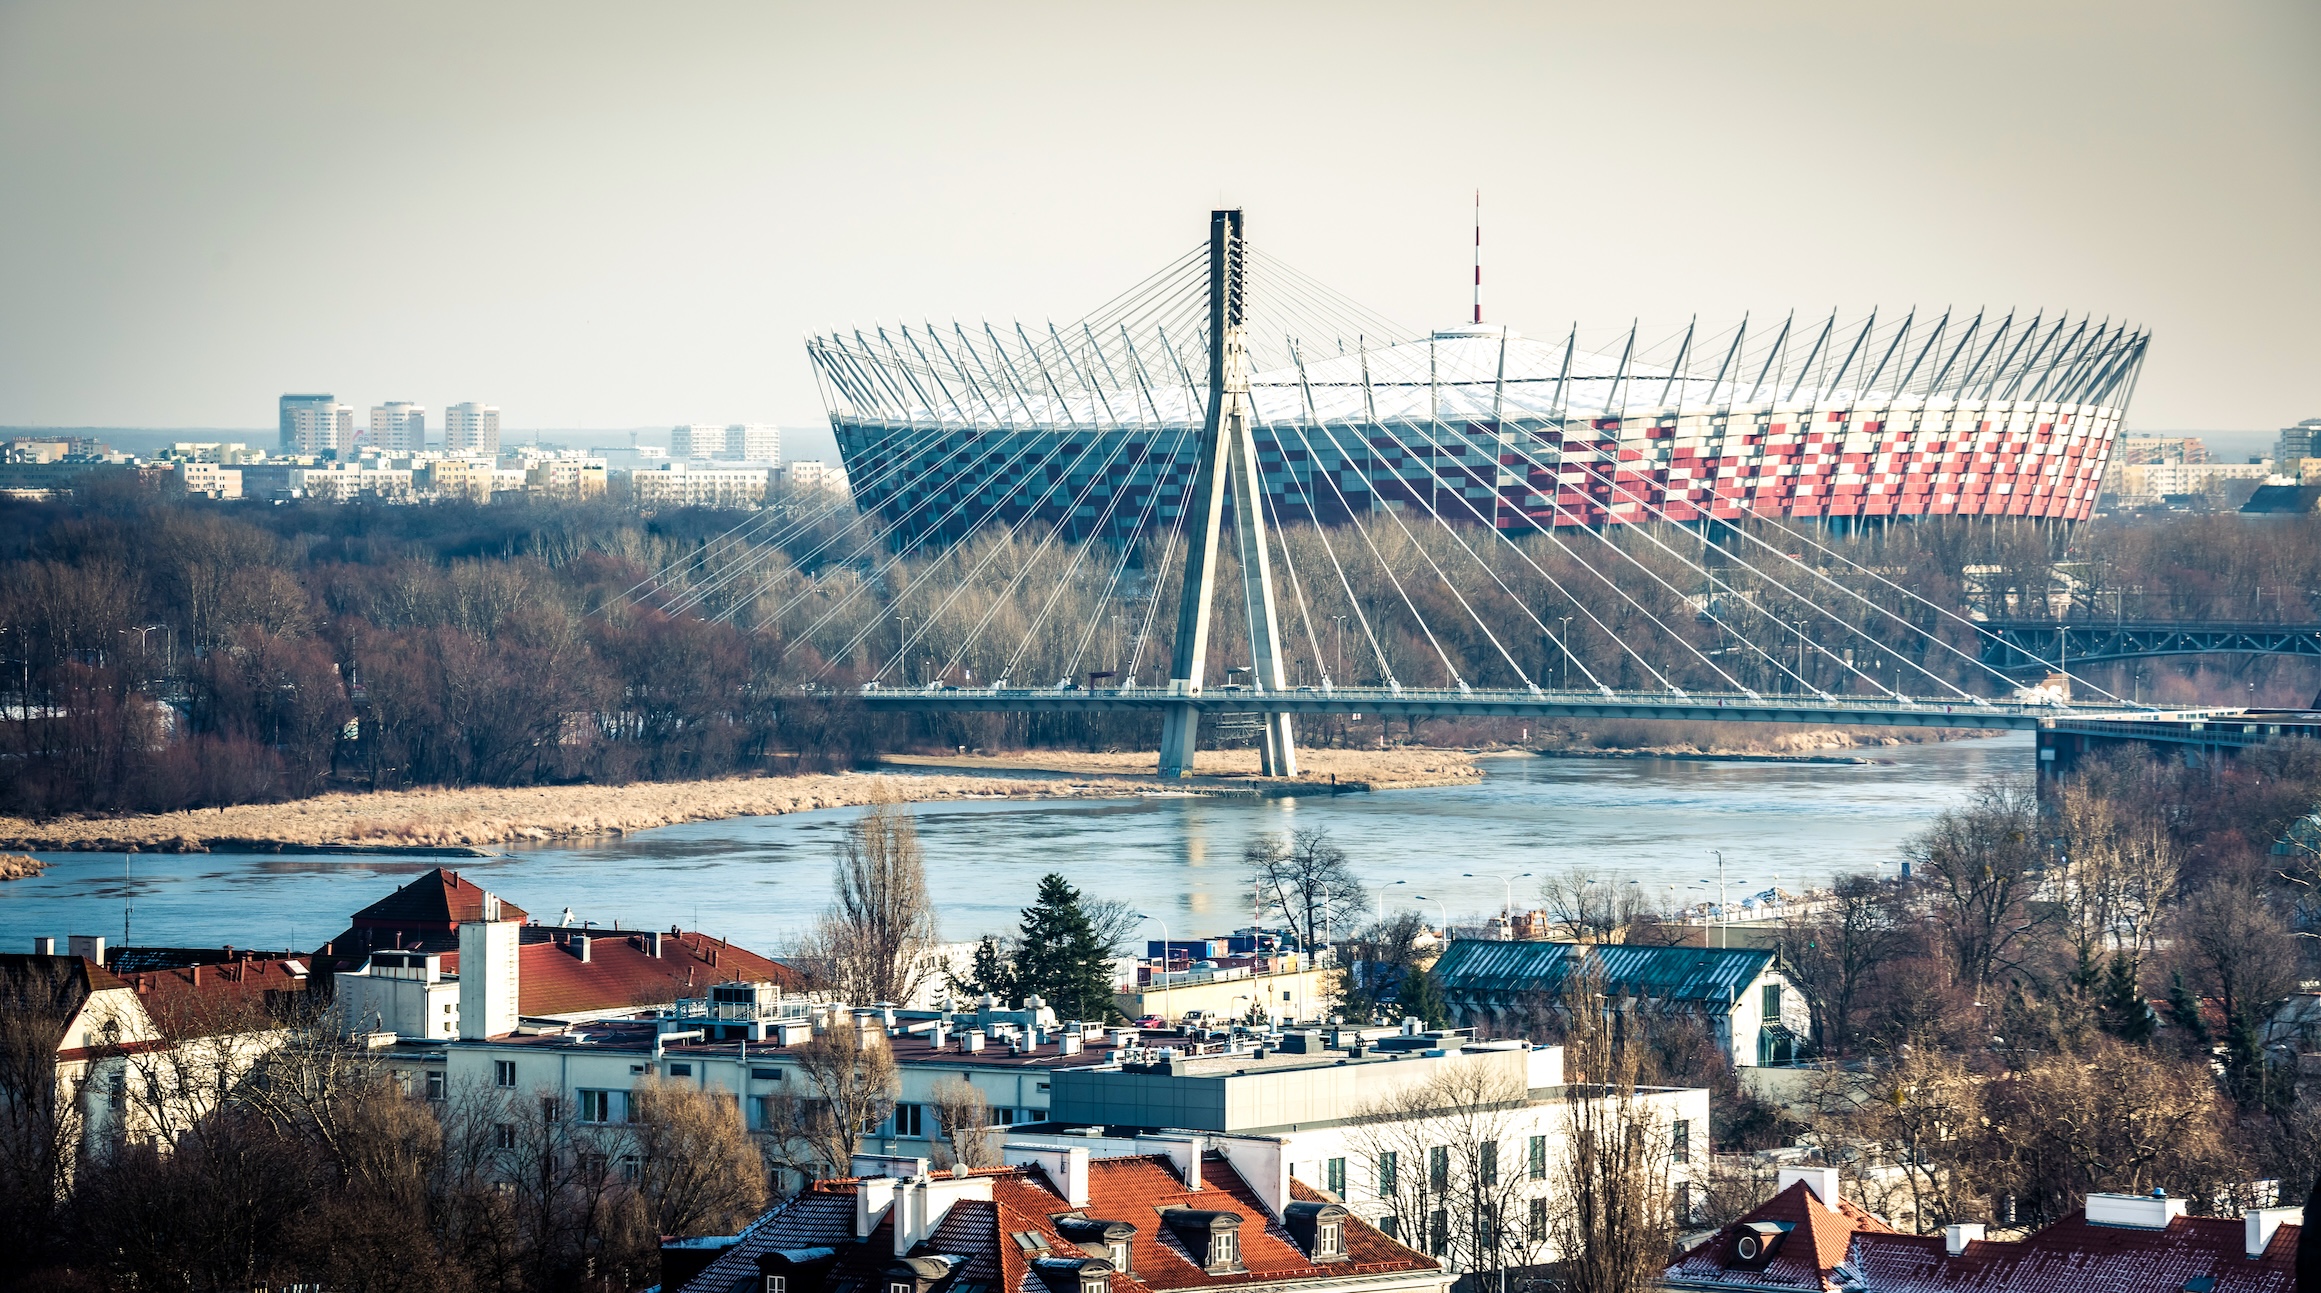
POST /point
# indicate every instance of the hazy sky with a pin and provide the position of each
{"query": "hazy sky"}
(623, 215)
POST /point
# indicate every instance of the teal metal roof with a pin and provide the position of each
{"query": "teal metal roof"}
(1481, 968)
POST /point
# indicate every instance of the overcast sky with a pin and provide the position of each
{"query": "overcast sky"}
(625, 215)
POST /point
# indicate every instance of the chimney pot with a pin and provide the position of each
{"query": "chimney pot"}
(44, 947)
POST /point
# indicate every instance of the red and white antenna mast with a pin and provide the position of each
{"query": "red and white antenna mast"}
(1478, 255)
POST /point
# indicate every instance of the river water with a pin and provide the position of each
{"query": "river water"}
(760, 880)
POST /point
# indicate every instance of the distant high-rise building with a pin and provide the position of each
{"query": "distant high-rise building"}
(472, 428)
(696, 441)
(2298, 442)
(398, 426)
(753, 442)
(316, 424)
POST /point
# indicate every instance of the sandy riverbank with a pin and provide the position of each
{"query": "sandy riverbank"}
(481, 817)
(16, 866)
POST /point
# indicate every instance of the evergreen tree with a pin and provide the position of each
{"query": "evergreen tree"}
(1060, 957)
(989, 972)
(2126, 1014)
(1418, 996)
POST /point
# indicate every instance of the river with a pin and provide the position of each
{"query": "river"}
(759, 880)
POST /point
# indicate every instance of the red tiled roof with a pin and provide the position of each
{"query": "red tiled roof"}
(2071, 1256)
(550, 980)
(1132, 1189)
(232, 996)
(440, 899)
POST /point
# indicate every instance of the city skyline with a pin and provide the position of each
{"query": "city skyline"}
(1930, 159)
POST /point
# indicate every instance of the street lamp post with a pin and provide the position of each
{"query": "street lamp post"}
(1164, 963)
(1502, 878)
(1564, 668)
(1446, 913)
(1723, 939)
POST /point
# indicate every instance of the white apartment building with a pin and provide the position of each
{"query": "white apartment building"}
(472, 429)
(398, 426)
(753, 442)
(316, 424)
(813, 473)
(696, 441)
(207, 478)
(2160, 478)
(679, 484)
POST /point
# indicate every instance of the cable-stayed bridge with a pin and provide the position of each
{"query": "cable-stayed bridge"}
(1464, 524)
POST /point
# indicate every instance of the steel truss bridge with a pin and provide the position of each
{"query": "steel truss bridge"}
(2035, 646)
(1763, 622)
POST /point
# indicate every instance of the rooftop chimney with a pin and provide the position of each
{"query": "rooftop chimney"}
(44, 947)
(89, 947)
(487, 979)
(1956, 1238)
(653, 943)
(2143, 1211)
(579, 947)
(2262, 1222)
(1821, 1180)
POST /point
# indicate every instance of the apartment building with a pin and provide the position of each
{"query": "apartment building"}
(398, 426)
(472, 429)
(316, 424)
(689, 484)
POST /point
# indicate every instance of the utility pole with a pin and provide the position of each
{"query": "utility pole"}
(1228, 457)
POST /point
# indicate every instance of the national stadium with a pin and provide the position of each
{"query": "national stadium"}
(1091, 428)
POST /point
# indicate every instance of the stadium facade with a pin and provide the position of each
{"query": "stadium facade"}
(1094, 426)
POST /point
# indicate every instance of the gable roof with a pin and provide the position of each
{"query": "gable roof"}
(228, 997)
(1711, 976)
(551, 980)
(2071, 1256)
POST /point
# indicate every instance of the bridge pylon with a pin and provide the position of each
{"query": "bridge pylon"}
(1228, 458)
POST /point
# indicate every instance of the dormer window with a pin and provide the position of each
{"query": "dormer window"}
(1330, 1240)
(777, 1284)
(1224, 1250)
(1319, 1228)
(898, 1286)
(1117, 1252)
(1094, 1281)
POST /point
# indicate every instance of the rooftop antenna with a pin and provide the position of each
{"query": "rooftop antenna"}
(1478, 255)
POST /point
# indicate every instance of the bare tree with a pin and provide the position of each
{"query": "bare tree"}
(40, 1107)
(878, 935)
(1612, 1217)
(1444, 1156)
(1115, 921)
(964, 1117)
(1919, 1111)
(1309, 880)
(696, 1167)
(1978, 866)
(1585, 908)
(1835, 947)
(853, 1084)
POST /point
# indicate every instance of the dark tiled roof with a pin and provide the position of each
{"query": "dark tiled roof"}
(2071, 1256)
(206, 1000)
(1472, 967)
(31, 981)
(439, 899)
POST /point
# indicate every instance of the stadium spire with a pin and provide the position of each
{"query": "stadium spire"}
(1478, 255)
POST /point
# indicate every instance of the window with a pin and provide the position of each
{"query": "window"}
(1539, 1221)
(1093, 1281)
(503, 1135)
(1224, 1249)
(1329, 1239)
(1390, 1226)
(1771, 1009)
(504, 1073)
(1684, 1203)
(1120, 1253)
(1536, 1167)
(1386, 1165)
(766, 1075)
(1334, 1172)
(596, 1106)
(910, 1119)
(1438, 1168)
(777, 1284)
(1438, 1232)
(1487, 1161)
(680, 1070)
(1680, 1142)
(898, 1286)
(550, 1108)
(434, 1084)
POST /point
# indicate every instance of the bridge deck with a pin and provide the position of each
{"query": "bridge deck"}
(1411, 702)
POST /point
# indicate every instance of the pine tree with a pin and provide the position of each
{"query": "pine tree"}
(1059, 956)
(2126, 1015)
(1419, 997)
(989, 972)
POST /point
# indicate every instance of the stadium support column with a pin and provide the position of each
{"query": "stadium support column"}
(1228, 458)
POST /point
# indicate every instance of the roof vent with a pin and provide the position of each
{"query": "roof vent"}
(2262, 1222)
(1956, 1238)
(2141, 1211)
